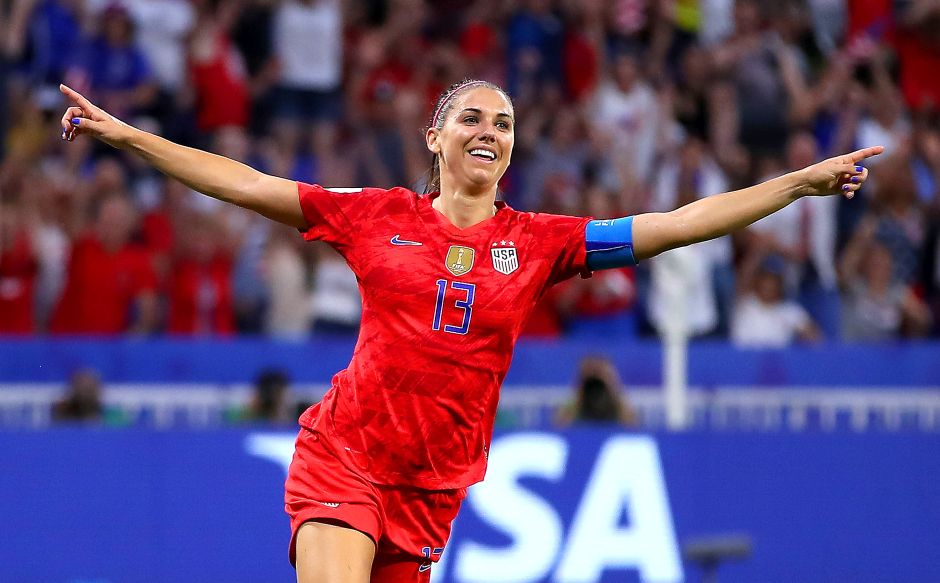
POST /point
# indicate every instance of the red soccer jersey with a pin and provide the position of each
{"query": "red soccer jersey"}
(441, 310)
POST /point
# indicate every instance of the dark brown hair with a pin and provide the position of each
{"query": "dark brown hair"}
(444, 102)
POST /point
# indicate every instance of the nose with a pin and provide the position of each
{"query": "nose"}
(487, 134)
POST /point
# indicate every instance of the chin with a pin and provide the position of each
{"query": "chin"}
(481, 181)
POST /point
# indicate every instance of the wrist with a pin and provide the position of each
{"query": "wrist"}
(800, 184)
(128, 136)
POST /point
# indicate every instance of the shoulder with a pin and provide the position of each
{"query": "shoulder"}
(552, 229)
(364, 194)
(546, 220)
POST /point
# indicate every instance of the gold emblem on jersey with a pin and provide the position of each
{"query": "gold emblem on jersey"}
(459, 259)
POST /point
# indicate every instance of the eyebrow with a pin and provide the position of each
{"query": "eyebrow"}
(480, 111)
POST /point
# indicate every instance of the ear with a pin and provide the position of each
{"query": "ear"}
(433, 139)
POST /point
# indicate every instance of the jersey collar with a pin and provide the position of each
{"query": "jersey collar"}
(437, 221)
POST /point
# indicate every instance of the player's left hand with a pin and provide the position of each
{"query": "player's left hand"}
(840, 174)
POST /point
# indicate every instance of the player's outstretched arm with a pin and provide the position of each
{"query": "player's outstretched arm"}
(721, 214)
(215, 176)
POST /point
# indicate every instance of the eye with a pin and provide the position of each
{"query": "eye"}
(470, 119)
(502, 125)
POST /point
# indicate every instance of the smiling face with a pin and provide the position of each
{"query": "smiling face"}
(475, 141)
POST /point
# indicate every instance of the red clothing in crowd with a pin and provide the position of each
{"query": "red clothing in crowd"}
(221, 88)
(610, 291)
(102, 287)
(157, 230)
(582, 67)
(18, 268)
(919, 61)
(201, 298)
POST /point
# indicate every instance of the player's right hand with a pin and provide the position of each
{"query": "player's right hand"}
(84, 117)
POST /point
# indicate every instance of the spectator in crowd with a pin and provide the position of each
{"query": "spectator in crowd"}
(336, 305)
(560, 158)
(688, 176)
(878, 306)
(162, 27)
(18, 267)
(749, 59)
(111, 285)
(763, 317)
(626, 114)
(5, 57)
(200, 287)
(599, 397)
(583, 47)
(217, 70)
(286, 274)
(271, 401)
(533, 45)
(896, 218)
(161, 32)
(253, 36)
(308, 48)
(82, 402)
(652, 103)
(600, 307)
(40, 215)
(43, 37)
(115, 68)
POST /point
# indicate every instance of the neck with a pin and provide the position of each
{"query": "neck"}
(465, 208)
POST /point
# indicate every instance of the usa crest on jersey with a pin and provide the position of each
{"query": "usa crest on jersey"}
(505, 258)
(459, 259)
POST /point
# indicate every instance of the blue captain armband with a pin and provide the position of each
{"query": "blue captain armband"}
(609, 243)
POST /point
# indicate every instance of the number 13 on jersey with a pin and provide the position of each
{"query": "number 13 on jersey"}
(466, 304)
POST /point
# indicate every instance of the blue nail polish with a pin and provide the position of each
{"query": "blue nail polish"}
(845, 187)
(859, 168)
(855, 179)
(76, 121)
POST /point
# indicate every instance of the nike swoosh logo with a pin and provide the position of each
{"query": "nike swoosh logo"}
(397, 241)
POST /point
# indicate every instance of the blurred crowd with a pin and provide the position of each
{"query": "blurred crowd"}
(85, 400)
(598, 396)
(623, 106)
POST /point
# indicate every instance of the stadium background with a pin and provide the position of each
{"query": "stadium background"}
(187, 333)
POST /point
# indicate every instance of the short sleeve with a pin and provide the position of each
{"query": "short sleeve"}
(332, 214)
(562, 237)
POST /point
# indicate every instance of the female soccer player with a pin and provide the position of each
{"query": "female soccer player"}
(382, 463)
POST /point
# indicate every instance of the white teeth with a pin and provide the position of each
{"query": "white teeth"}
(484, 153)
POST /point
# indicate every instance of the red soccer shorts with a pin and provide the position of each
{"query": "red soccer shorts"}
(409, 526)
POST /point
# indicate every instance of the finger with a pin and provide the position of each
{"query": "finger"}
(69, 114)
(83, 125)
(859, 155)
(858, 176)
(850, 169)
(77, 97)
(849, 189)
